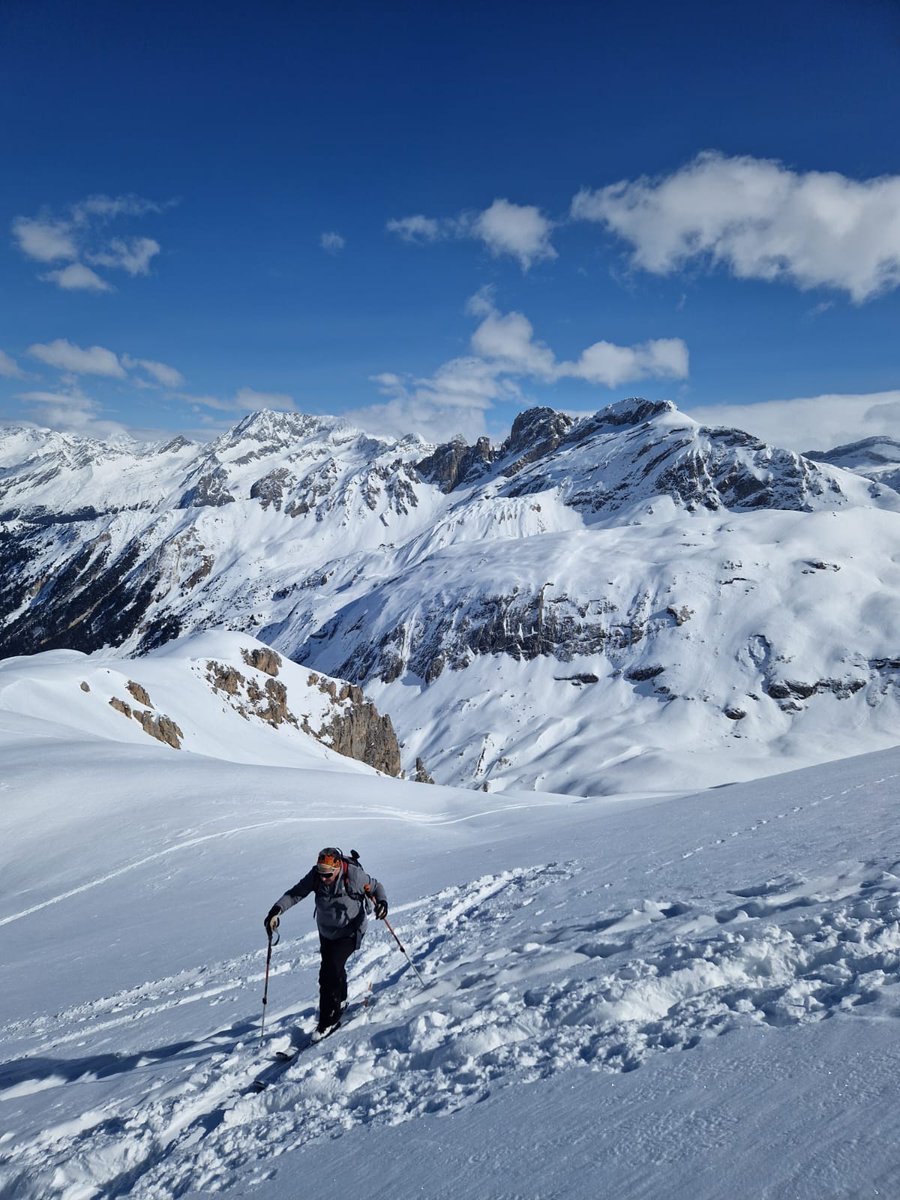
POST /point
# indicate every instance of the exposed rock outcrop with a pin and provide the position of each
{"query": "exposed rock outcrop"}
(357, 729)
(139, 693)
(421, 774)
(157, 725)
(352, 726)
(264, 659)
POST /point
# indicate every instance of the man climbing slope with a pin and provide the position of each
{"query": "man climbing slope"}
(343, 892)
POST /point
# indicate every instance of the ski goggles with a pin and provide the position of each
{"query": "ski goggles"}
(328, 863)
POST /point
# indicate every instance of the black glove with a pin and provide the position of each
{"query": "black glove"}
(380, 910)
(271, 921)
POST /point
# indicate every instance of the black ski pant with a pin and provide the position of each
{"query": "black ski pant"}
(333, 976)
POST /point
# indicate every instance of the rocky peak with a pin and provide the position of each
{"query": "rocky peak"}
(179, 442)
(456, 462)
(534, 434)
(634, 411)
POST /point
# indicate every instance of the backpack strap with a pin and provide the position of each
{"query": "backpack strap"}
(365, 895)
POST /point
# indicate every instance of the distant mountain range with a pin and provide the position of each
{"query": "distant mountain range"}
(627, 600)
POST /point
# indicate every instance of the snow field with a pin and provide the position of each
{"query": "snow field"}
(531, 972)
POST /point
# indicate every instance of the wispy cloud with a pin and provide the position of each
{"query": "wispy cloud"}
(81, 235)
(132, 255)
(332, 242)
(9, 368)
(505, 356)
(65, 356)
(159, 373)
(760, 220)
(420, 230)
(244, 400)
(520, 231)
(251, 399)
(71, 410)
(76, 277)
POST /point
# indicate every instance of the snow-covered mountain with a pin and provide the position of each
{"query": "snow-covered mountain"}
(631, 599)
(877, 458)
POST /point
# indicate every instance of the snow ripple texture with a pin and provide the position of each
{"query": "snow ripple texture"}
(517, 990)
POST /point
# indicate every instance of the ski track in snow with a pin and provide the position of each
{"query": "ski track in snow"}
(517, 991)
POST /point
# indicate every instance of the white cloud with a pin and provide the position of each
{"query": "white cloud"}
(76, 277)
(811, 422)
(80, 236)
(518, 230)
(418, 229)
(611, 365)
(759, 219)
(132, 255)
(159, 372)
(95, 360)
(9, 368)
(332, 242)
(457, 396)
(43, 239)
(508, 339)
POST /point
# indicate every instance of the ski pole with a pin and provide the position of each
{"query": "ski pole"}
(262, 1024)
(403, 948)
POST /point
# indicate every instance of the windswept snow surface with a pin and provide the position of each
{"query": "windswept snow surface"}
(683, 996)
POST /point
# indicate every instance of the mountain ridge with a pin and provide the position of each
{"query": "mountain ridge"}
(592, 560)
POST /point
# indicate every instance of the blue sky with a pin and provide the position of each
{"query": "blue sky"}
(428, 217)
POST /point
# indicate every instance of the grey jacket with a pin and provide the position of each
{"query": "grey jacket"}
(340, 906)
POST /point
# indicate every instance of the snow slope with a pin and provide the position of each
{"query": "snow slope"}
(682, 996)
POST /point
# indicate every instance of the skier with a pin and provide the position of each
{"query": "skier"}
(342, 889)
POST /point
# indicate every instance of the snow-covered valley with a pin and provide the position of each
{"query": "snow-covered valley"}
(666, 995)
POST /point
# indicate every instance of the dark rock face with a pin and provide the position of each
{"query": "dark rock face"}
(792, 690)
(534, 434)
(270, 489)
(634, 412)
(92, 600)
(210, 491)
(523, 625)
(456, 462)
